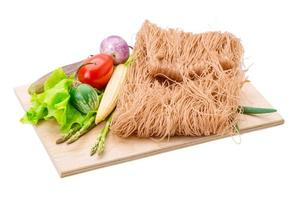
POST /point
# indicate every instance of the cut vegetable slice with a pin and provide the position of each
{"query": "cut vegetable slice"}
(247, 110)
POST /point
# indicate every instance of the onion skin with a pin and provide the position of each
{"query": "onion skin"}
(117, 47)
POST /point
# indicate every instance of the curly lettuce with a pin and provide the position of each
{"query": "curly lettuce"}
(54, 103)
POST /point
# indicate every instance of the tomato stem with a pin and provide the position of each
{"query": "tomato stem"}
(82, 65)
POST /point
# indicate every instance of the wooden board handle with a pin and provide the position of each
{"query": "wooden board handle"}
(38, 85)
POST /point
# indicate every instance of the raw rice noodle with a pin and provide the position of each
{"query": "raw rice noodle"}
(181, 84)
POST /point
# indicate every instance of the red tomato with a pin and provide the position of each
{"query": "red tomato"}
(96, 70)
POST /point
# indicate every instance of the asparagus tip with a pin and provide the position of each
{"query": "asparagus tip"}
(100, 149)
(100, 152)
(94, 149)
(71, 140)
(92, 152)
(60, 140)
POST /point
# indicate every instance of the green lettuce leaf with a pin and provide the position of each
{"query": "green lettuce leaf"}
(55, 78)
(54, 103)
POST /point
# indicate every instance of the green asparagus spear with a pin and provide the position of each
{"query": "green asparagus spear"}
(95, 146)
(103, 138)
(100, 141)
(88, 125)
(68, 135)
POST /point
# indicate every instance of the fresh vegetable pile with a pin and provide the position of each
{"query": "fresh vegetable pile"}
(80, 101)
(55, 103)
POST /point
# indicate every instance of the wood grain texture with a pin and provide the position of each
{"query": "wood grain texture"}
(75, 158)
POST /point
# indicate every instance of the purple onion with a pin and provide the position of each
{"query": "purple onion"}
(117, 47)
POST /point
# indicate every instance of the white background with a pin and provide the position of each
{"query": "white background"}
(37, 36)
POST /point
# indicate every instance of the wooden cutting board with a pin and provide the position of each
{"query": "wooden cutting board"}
(75, 158)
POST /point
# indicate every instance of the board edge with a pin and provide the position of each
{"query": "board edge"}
(165, 150)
